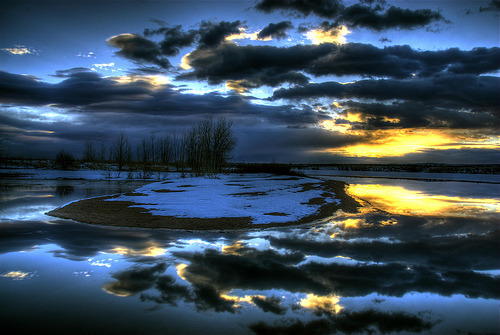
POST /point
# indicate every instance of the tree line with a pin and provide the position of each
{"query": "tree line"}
(204, 149)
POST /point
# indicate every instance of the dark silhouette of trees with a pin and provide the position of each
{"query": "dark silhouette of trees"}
(164, 150)
(121, 151)
(89, 152)
(209, 145)
(65, 160)
(102, 155)
(204, 149)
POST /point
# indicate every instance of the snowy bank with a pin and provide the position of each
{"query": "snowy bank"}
(227, 202)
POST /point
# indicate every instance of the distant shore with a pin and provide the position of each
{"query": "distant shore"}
(100, 211)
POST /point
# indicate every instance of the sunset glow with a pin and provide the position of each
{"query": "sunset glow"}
(398, 200)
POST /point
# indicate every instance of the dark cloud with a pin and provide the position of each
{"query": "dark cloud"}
(368, 17)
(414, 114)
(212, 34)
(269, 270)
(493, 5)
(252, 271)
(267, 65)
(275, 30)
(208, 35)
(134, 280)
(448, 101)
(475, 252)
(170, 292)
(204, 297)
(369, 14)
(90, 92)
(69, 72)
(263, 65)
(138, 49)
(269, 304)
(321, 8)
(158, 22)
(349, 322)
(469, 91)
(94, 105)
(173, 38)
(79, 88)
(303, 28)
(403, 61)
(145, 71)
(207, 298)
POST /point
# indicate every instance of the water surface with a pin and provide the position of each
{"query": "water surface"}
(425, 258)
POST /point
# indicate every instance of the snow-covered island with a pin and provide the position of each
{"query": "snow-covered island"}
(234, 201)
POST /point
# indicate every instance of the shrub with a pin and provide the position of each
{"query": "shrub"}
(65, 161)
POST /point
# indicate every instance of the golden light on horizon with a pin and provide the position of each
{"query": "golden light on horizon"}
(397, 143)
(400, 142)
(402, 201)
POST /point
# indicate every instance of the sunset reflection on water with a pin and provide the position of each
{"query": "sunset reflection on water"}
(403, 201)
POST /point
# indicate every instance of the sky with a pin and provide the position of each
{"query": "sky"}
(303, 81)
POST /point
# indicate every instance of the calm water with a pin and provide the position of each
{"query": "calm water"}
(426, 259)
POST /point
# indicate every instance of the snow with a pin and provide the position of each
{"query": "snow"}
(254, 196)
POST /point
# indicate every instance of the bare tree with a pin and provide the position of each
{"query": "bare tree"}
(4, 152)
(89, 151)
(143, 152)
(153, 149)
(165, 149)
(178, 152)
(103, 152)
(209, 145)
(224, 143)
(191, 148)
(121, 151)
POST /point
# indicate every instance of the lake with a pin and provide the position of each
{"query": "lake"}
(419, 257)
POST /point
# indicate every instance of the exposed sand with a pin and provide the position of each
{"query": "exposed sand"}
(119, 213)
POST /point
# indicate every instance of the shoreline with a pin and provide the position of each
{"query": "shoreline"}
(98, 211)
(408, 178)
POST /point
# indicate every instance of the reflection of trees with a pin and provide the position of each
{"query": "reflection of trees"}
(63, 191)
